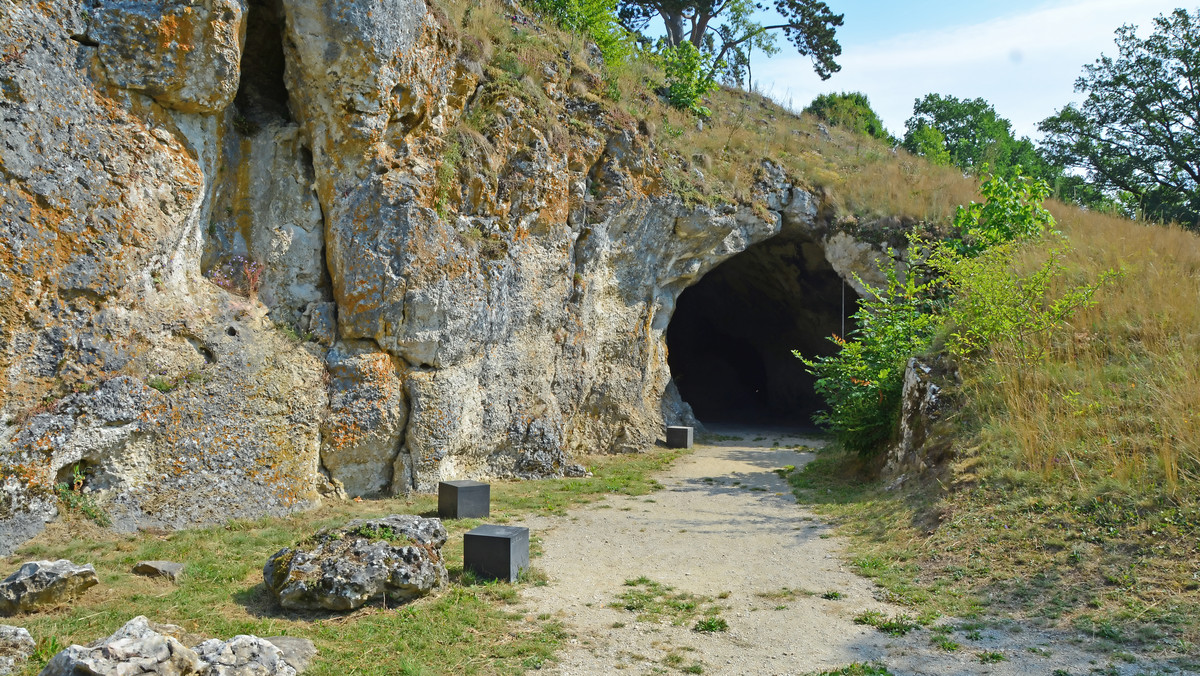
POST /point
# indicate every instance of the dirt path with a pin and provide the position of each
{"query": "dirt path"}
(726, 529)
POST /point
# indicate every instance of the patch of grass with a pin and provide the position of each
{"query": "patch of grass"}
(893, 626)
(656, 602)
(1039, 551)
(991, 657)
(945, 642)
(711, 624)
(470, 628)
(784, 594)
(856, 669)
(832, 595)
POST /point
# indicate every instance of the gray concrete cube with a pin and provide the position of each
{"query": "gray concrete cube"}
(496, 552)
(464, 500)
(679, 437)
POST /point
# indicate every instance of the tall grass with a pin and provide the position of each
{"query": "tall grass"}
(1114, 403)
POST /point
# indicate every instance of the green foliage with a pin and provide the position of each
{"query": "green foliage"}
(998, 311)
(162, 383)
(862, 382)
(72, 497)
(975, 137)
(1012, 210)
(447, 174)
(725, 30)
(595, 20)
(851, 110)
(711, 625)
(689, 77)
(857, 669)
(893, 626)
(927, 141)
(1137, 132)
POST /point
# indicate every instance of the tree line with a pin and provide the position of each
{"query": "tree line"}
(1131, 147)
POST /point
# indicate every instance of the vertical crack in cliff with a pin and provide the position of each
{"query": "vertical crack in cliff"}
(731, 337)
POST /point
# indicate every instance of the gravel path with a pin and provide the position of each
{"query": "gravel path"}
(726, 528)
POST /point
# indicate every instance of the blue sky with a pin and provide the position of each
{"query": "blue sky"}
(1023, 56)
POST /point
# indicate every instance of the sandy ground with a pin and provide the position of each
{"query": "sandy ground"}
(725, 525)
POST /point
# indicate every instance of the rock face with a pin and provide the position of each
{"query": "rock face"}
(924, 444)
(143, 647)
(16, 645)
(397, 558)
(257, 252)
(44, 583)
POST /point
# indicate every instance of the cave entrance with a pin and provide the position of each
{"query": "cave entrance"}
(731, 337)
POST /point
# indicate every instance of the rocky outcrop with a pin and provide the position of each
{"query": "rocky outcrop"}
(924, 442)
(44, 583)
(144, 647)
(16, 645)
(394, 559)
(257, 252)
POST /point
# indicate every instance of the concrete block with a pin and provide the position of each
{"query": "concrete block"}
(496, 552)
(679, 437)
(464, 500)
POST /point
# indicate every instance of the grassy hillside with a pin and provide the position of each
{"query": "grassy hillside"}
(1072, 499)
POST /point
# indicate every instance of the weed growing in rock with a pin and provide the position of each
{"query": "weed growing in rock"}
(239, 275)
(72, 498)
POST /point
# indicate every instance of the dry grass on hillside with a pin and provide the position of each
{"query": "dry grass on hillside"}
(857, 175)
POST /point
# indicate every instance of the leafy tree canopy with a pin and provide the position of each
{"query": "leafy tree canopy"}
(851, 110)
(1137, 134)
(725, 29)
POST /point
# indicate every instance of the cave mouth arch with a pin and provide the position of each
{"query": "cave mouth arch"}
(730, 339)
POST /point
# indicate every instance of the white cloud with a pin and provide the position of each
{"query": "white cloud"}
(1025, 65)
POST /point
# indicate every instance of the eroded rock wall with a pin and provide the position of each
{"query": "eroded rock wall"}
(259, 251)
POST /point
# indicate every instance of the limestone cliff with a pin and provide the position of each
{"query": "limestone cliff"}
(256, 252)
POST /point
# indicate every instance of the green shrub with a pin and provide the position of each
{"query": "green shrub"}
(1012, 210)
(689, 77)
(595, 20)
(851, 110)
(999, 311)
(862, 382)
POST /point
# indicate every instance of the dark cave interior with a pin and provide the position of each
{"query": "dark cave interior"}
(731, 337)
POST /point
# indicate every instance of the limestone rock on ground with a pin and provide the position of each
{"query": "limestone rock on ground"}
(144, 647)
(243, 656)
(396, 558)
(167, 569)
(43, 583)
(16, 645)
(297, 652)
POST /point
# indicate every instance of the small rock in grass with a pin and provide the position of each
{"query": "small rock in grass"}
(44, 583)
(16, 645)
(167, 569)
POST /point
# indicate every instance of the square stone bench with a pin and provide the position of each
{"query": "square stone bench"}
(679, 437)
(496, 552)
(464, 500)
